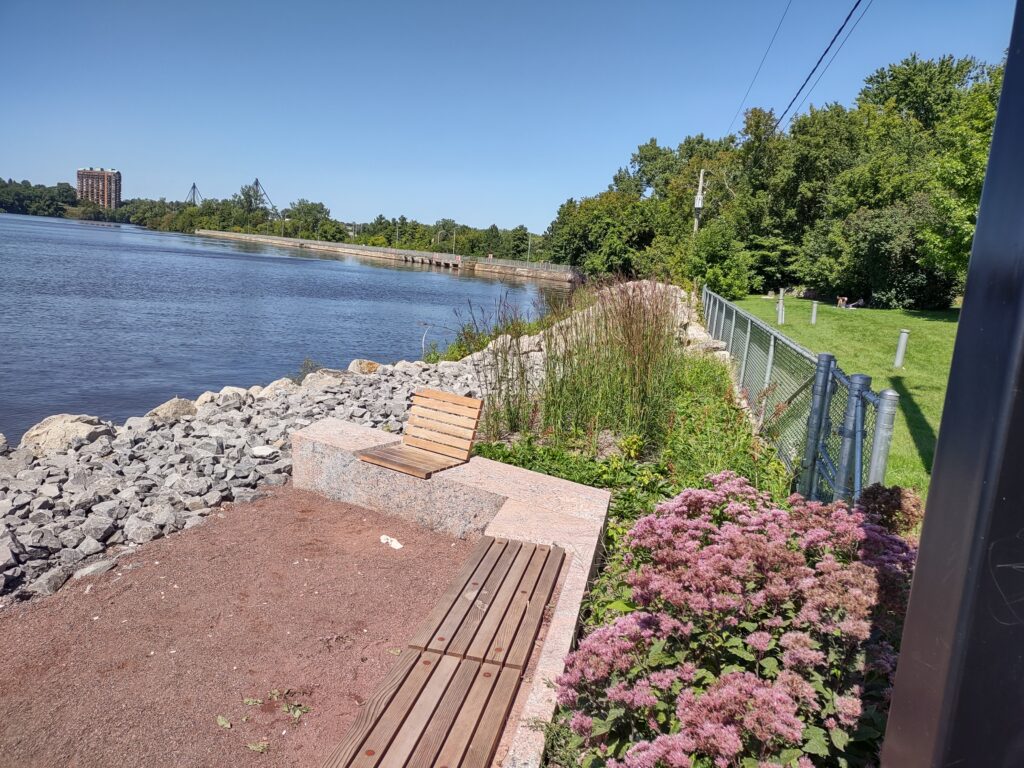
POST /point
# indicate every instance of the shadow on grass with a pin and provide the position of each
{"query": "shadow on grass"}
(921, 431)
(935, 315)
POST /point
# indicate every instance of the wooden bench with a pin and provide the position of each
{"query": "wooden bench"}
(446, 701)
(438, 435)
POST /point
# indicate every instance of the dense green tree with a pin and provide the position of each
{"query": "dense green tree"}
(925, 89)
(876, 201)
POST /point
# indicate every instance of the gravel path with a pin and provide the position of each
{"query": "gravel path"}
(290, 593)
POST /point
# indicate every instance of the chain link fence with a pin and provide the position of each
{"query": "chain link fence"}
(830, 429)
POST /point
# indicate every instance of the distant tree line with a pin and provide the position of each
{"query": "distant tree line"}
(875, 201)
(35, 199)
(249, 211)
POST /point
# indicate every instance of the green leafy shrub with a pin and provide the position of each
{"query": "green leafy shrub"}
(712, 434)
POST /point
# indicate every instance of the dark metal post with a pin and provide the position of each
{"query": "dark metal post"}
(815, 418)
(959, 690)
(844, 486)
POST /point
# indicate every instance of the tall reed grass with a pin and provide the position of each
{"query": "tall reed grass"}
(501, 369)
(613, 364)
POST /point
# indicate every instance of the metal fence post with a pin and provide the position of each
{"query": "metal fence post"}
(721, 319)
(815, 419)
(885, 418)
(843, 487)
(771, 359)
(746, 352)
(901, 348)
(732, 331)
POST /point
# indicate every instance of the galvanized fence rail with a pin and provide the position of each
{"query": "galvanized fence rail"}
(829, 428)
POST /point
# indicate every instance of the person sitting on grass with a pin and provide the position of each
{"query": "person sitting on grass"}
(841, 302)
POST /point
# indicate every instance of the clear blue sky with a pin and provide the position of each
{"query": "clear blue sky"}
(481, 111)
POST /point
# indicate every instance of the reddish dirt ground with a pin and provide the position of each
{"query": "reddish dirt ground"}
(291, 594)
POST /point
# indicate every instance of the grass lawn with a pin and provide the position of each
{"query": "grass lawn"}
(864, 341)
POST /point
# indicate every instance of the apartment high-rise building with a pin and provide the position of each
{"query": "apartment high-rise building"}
(101, 185)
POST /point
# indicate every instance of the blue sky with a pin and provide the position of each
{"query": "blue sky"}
(481, 111)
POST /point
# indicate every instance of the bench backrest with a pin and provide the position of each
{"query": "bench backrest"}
(443, 423)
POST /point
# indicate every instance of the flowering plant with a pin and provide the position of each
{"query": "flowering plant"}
(762, 636)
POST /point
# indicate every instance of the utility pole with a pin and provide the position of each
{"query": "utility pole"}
(529, 243)
(698, 202)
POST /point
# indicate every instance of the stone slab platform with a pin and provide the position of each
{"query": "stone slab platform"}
(481, 496)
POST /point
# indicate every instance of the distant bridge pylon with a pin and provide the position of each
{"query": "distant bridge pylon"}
(193, 197)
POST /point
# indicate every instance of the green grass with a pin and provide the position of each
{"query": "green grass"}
(864, 341)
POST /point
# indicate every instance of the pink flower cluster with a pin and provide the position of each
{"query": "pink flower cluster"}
(756, 622)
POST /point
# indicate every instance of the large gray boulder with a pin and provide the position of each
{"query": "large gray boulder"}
(60, 432)
(139, 531)
(50, 581)
(364, 367)
(173, 410)
(325, 377)
(278, 385)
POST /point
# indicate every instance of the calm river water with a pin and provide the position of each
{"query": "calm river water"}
(112, 320)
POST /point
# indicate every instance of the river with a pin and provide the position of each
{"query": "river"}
(111, 320)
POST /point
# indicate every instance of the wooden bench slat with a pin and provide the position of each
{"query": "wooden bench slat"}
(485, 738)
(446, 450)
(462, 729)
(450, 397)
(447, 706)
(419, 719)
(436, 448)
(502, 638)
(376, 744)
(458, 586)
(418, 419)
(445, 714)
(482, 617)
(494, 560)
(435, 436)
(445, 407)
(469, 422)
(498, 611)
(371, 709)
(465, 617)
(522, 646)
(408, 460)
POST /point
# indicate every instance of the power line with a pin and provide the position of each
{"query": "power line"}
(754, 78)
(818, 63)
(833, 58)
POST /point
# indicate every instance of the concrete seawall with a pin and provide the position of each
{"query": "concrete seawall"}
(467, 264)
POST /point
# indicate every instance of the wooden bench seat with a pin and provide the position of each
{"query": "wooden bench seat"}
(446, 701)
(438, 435)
